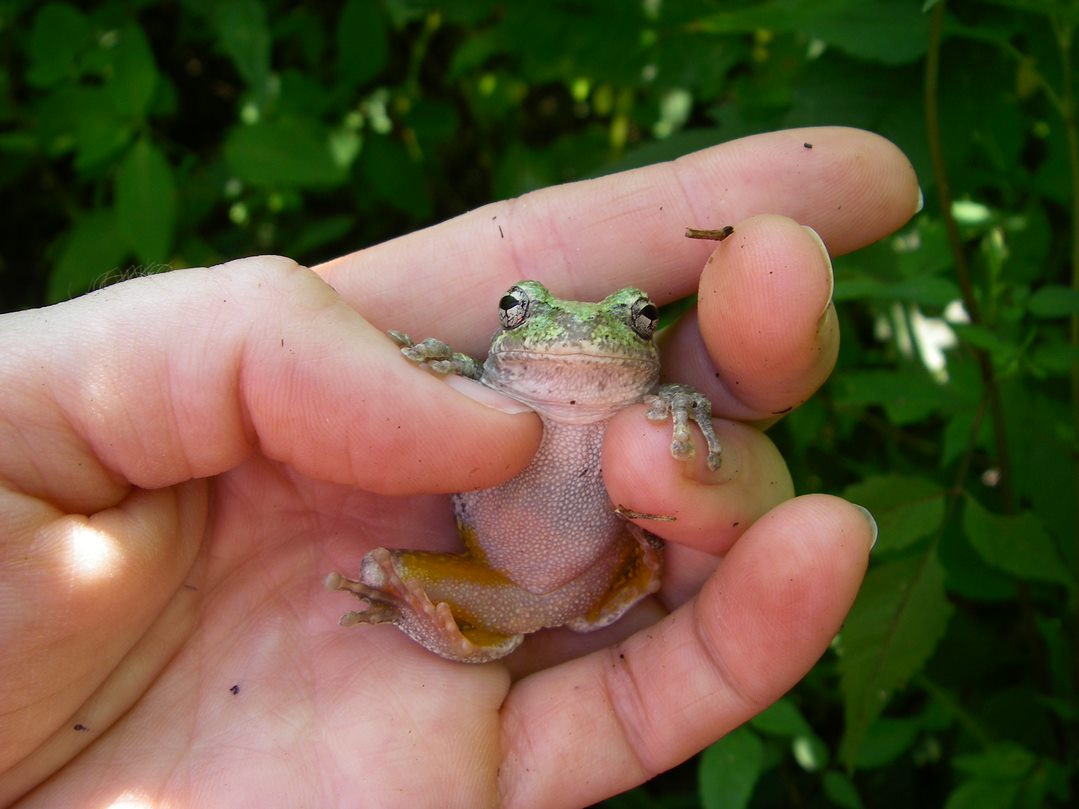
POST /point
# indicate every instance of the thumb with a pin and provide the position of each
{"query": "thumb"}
(179, 376)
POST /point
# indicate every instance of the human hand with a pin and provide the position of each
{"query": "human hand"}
(235, 433)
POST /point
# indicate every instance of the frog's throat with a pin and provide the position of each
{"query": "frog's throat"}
(575, 388)
(573, 412)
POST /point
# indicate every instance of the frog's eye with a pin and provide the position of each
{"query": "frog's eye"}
(643, 316)
(513, 308)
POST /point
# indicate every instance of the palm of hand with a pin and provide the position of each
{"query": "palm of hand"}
(266, 696)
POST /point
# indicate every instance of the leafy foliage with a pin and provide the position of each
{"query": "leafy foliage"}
(138, 131)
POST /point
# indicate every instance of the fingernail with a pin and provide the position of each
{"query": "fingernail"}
(478, 392)
(827, 264)
(872, 523)
(921, 200)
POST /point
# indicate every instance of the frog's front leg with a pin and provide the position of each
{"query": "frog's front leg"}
(391, 588)
(682, 403)
(437, 356)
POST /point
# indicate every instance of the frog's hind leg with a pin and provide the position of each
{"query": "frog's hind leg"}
(638, 577)
(391, 587)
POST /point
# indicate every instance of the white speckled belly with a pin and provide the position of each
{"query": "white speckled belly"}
(553, 521)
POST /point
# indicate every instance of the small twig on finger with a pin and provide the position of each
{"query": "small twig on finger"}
(715, 235)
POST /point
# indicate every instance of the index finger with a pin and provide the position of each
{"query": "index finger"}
(587, 238)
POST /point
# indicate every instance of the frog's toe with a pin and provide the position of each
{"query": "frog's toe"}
(371, 615)
(400, 338)
(379, 607)
(682, 448)
(390, 598)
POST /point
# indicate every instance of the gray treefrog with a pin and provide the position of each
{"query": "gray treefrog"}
(546, 548)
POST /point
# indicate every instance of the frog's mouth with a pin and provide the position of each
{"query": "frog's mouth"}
(571, 385)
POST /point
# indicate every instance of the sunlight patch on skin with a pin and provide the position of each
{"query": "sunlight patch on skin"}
(134, 800)
(94, 553)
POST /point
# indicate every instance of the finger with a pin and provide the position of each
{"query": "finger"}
(698, 508)
(644, 706)
(765, 335)
(181, 376)
(588, 238)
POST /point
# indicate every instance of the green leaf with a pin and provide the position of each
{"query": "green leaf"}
(874, 30)
(92, 248)
(1017, 544)
(99, 138)
(362, 41)
(998, 776)
(58, 37)
(394, 176)
(320, 232)
(1054, 300)
(926, 291)
(83, 117)
(785, 720)
(984, 338)
(959, 433)
(729, 770)
(290, 152)
(559, 41)
(782, 719)
(841, 790)
(907, 394)
(146, 202)
(968, 575)
(244, 36)
(134, 78)
(1005, 761)
(906, 508)
(896, 623)
(1042, 445)
(1065, 9)
(886, 740)
(978, 793)
(434, 122)
(1055, 356)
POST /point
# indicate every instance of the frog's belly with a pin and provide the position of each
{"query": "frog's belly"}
(554, 521)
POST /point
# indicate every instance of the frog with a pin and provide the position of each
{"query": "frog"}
(547, 548)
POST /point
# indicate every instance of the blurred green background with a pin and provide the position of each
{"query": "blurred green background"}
(138, 135)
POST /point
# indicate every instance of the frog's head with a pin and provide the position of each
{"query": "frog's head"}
(570, 360)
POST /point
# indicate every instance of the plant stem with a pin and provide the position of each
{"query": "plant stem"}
(962, 268)
(715, 235)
